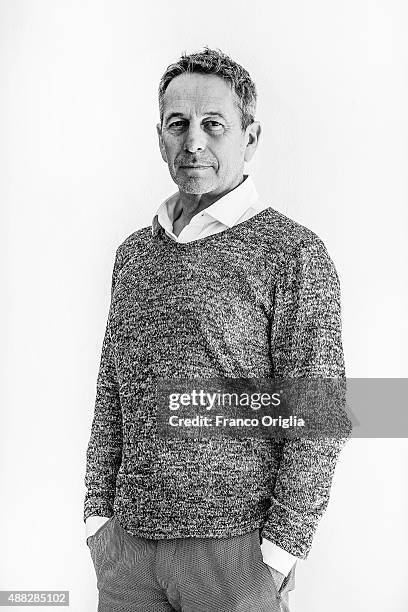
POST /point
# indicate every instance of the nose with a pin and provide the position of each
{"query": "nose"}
(195, 138)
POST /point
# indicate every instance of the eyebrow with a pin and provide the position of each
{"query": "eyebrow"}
(210, 113)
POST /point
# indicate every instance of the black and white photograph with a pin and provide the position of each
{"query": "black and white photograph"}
(204, 304)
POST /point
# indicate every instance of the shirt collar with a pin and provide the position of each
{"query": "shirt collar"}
(227, 210)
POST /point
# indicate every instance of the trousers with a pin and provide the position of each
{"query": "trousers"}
(135, 574)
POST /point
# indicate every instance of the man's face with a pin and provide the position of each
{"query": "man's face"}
(201, 138)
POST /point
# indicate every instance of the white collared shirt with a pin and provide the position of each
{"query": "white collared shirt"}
(234, 207)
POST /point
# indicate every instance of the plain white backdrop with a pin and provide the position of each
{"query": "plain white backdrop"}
(81, 170)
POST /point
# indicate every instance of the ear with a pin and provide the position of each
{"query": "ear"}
(252, 135)
(161, 144)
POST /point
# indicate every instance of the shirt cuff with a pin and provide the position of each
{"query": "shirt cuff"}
(93, 523)
(277, 557)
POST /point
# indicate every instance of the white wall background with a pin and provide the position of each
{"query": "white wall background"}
(81, 170)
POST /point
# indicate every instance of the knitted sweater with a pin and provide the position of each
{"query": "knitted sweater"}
(260, 299)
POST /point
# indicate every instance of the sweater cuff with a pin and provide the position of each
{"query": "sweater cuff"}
(97, 507)
(293, 531)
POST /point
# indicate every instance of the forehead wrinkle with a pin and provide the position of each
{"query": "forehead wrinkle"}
(199, 98)
(191, 105)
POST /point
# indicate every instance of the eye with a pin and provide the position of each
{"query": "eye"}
(213, 125)
(176, 124)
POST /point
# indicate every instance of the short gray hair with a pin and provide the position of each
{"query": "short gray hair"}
(214, 61)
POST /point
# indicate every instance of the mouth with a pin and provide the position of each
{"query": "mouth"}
(195, 167)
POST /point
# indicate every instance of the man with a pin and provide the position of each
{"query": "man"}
(221, 285)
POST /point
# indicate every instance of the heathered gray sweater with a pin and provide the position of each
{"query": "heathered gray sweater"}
(260, 299)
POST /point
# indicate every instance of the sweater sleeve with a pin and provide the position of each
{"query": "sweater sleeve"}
(104, 450)
(305, 343)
